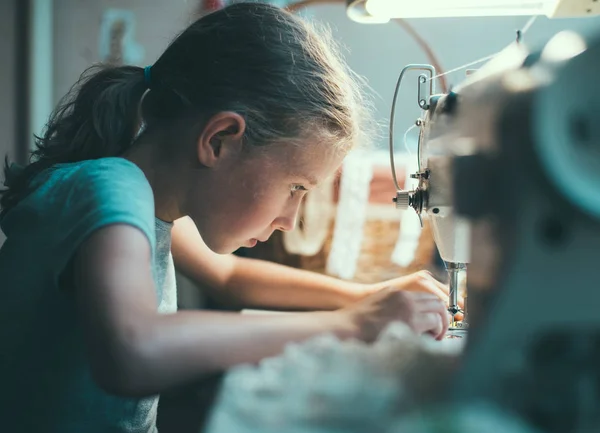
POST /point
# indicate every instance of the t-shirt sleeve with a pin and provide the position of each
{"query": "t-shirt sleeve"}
(101, 193)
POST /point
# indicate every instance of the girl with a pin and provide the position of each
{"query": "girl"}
(246, 111)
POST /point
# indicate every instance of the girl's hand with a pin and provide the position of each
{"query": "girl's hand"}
(422, 282)
(423, 312)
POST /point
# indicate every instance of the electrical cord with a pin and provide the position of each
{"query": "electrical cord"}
(433, 59)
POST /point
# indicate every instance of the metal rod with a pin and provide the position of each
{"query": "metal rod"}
(412, 67)
(455, 273)
(21, 88)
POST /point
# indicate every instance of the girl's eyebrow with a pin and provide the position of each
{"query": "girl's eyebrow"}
(312, 180)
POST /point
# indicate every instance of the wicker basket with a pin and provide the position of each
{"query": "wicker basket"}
(374, 263)
(378, 243)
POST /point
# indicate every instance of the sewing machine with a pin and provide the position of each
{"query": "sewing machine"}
(510, 180)
(433, 197)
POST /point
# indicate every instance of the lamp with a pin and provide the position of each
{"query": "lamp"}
(356, 11)
(371, 11)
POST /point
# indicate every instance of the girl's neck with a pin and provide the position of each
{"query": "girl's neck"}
(147, 154)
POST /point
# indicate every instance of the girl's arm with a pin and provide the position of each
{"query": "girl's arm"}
(135, 351)
(242, 282)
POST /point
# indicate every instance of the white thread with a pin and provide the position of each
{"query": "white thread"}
(483, 59)
(526, 27)
(405, 142)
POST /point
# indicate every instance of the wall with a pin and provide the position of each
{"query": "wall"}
(7, 54)
(7, 97)
(77, 26)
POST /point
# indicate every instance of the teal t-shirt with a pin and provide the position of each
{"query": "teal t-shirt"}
(45, 381)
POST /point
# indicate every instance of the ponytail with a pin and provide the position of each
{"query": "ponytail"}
(97, 118)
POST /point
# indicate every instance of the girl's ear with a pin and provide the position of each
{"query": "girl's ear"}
(221, 137)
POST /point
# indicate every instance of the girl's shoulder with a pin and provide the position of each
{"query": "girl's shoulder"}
(92, 178)
(97, 169)
(100, 186)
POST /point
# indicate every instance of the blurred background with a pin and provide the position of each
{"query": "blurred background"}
(46, 44)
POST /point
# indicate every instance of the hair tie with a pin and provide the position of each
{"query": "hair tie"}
(147, 77)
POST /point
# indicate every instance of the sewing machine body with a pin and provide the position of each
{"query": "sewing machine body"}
(517, 147)
(451, 232)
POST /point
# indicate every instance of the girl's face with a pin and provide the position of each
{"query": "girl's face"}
(257, 190)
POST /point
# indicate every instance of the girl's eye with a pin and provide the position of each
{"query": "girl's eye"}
(297, 188)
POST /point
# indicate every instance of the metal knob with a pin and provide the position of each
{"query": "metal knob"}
(402, 200)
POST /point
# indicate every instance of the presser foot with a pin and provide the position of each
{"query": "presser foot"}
(456, 325)
(457, 330)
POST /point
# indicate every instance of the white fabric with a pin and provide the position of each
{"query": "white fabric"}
(328, 385)
(351, 214)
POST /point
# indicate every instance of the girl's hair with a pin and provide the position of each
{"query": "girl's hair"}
(286, 79)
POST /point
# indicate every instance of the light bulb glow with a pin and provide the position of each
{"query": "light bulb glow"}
(458, 8)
